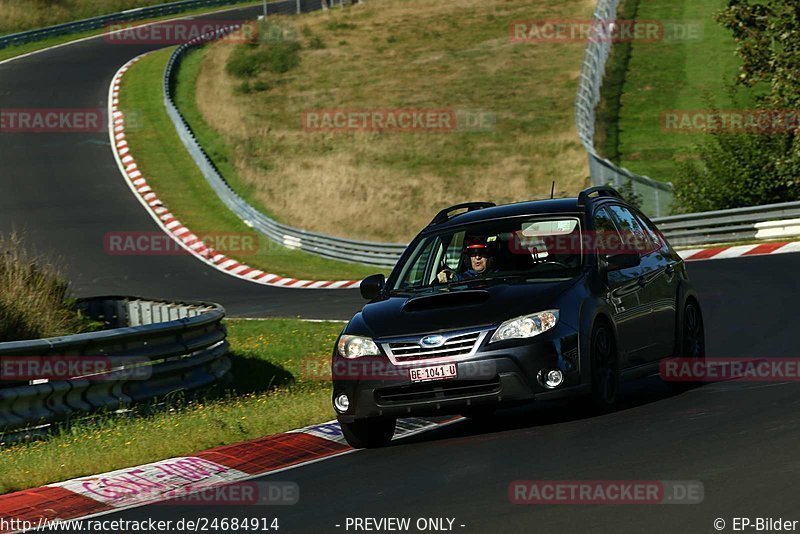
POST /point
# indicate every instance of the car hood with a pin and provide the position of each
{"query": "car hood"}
(480, 305)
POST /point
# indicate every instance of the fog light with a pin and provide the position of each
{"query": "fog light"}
(553, 378)
(341, 403)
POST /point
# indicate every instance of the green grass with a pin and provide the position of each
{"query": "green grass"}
(172, 173)
(690, 74)
(272, 394)
(13, 51)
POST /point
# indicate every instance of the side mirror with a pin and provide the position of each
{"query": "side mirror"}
(626, 260)
(372, 286)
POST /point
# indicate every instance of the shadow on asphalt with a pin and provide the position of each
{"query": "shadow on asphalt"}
(544, 413)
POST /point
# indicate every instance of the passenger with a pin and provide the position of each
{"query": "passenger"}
(481, 262)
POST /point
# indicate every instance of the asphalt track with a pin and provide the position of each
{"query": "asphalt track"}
(63, 191)
(739, 439)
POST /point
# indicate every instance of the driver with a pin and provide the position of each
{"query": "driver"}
(480, 260)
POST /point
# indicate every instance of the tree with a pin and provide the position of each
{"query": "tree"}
(736, 169)
(767, 35)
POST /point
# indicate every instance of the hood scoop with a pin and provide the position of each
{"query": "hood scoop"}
(446, 300)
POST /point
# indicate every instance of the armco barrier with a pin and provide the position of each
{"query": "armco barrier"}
(156, 348)
(94, 23)
(773, 221)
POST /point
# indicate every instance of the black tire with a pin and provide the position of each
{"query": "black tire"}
(369, 433)
(691, 342)
(605, 369)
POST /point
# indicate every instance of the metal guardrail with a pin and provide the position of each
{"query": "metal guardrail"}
(94, 23)
(382, 255)
(772, 221)
(151, 349)
(656, 196)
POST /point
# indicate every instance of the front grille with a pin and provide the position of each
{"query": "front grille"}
(437, 391)
(456, 346)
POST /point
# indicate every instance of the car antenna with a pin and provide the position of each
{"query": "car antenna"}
(552, 190)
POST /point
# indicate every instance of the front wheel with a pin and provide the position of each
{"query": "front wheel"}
(369, 433)
(605, 369)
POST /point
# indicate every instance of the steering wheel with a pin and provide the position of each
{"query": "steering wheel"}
(450, 274)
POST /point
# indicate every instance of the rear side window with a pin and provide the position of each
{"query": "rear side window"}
(633, 233)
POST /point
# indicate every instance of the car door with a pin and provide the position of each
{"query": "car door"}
(651, 279)
(631, 316)
(664, 287)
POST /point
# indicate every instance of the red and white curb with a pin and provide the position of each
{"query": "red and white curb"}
(171, 225)
(738, 251)
(180, 477)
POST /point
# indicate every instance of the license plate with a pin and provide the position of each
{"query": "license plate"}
(437, 372)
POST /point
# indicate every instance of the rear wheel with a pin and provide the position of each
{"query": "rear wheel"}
(369, 433)
(691, 343)
(605, 368)
(693, 339)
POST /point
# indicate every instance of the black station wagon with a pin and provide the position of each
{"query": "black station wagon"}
(493, 305)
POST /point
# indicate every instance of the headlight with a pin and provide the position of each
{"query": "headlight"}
(356, 347)
(526, 326)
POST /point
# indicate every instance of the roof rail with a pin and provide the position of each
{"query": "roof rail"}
(444, 215)
(601, 190)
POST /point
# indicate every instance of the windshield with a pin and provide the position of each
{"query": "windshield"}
(532, 248)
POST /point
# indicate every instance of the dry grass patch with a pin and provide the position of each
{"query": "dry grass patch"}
(34, 296)
(412, 54)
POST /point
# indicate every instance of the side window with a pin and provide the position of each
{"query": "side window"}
(606, 236)
(421, 270)
(633, 235)
(452, 255)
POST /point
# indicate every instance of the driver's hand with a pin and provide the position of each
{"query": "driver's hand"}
(443, 277)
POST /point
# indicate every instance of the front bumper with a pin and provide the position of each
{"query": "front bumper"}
(500, 373)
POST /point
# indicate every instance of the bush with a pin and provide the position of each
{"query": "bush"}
(281, 57)
(316, 43)
(34, 300)
(247, 61)
(737, 170)
(242, 63)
